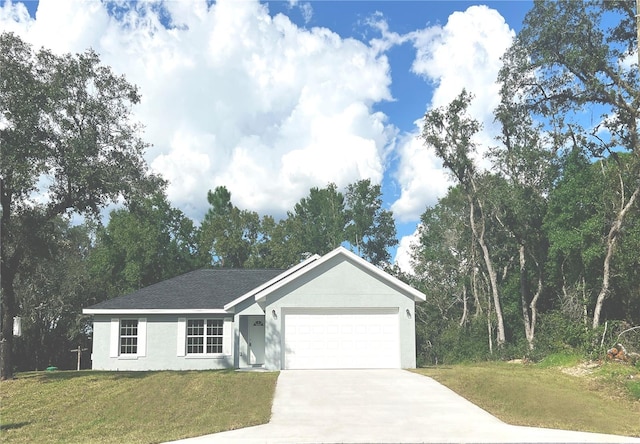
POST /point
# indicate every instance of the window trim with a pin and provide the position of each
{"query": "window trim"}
(115, 342)
(227, 335)
(205, 336)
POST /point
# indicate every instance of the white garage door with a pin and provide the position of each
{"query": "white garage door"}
(344, 338)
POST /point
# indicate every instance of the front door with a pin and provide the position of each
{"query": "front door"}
(256, 340)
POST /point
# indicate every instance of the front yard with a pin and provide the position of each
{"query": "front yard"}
(132, 407)
(588, 397)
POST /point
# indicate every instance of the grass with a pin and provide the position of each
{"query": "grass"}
(603, 399)
(132, 407)
(560, 360)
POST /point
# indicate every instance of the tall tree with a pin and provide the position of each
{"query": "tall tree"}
(68, 145)
(449, 131)
(318, 221)
(142, 244)
(371, 229)
(529, 170)
(575, 56)
(443, 259)
(228, 235)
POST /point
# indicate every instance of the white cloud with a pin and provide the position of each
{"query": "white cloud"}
(307, 11)
(403, 257)
(421, 177)
(232, 96)
(464, 53)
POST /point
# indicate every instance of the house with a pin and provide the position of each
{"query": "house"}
(334, 311)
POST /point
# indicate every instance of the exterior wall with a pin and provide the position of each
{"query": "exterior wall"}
(161, 347)
(334, 284)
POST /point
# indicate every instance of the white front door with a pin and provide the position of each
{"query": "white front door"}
(256, 340)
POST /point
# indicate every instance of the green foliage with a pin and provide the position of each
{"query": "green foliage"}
(51, 297)
(227, 235)
(319, 220)
(68, 146)
(560, 334)
(318, 223)
(371, 229)
(143, 244)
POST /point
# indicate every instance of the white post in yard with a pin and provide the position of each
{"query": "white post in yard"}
(79, 351)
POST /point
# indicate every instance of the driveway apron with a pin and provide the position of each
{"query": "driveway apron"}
(381, 406)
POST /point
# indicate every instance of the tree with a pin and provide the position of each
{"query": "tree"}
(580, 208)
(142, 244)
(443, 259)
(228, 235)
(68, 146)
(371, 229)
(573, 56)
(449, 131)
(318, 221)
(528, 171)
(50, 299)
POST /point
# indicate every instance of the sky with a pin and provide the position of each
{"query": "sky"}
(272, 98)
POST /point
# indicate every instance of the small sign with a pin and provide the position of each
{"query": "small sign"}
(17, 326)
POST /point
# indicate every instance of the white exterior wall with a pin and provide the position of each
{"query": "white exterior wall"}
(161, 346)
(334, 284)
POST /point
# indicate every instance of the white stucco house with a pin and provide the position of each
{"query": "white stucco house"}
(334, 311)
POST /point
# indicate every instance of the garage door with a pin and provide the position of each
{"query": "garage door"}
(345, 338)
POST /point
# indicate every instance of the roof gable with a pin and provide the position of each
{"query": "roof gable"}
(349, 256)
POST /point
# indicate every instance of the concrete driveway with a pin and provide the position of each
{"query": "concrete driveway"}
(381, 406)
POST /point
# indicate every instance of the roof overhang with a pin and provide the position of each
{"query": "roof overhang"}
(139, 311)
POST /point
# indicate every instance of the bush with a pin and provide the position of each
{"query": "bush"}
(556, 333)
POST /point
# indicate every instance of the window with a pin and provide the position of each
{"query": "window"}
(204, 336)
(128, 336)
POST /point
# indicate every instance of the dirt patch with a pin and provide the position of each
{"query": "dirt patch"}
(582, 369)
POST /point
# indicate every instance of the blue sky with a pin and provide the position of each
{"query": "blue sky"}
(272, 98)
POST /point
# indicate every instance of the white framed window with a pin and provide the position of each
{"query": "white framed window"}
(128, 338)
(204, 336)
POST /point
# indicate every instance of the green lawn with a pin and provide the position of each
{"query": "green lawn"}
(131, 407)
(600, 399)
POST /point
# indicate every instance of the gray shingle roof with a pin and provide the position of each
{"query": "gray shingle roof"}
(200, 289)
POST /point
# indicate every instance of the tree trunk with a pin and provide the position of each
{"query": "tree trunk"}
(474, 282)
(8, 312)
(529, 309)
(489, 329)
(612, 239)
(465, 308)
(523, 297)
(7, 293)
(501, 337)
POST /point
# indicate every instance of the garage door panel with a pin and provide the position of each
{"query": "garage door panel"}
(341, 339)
